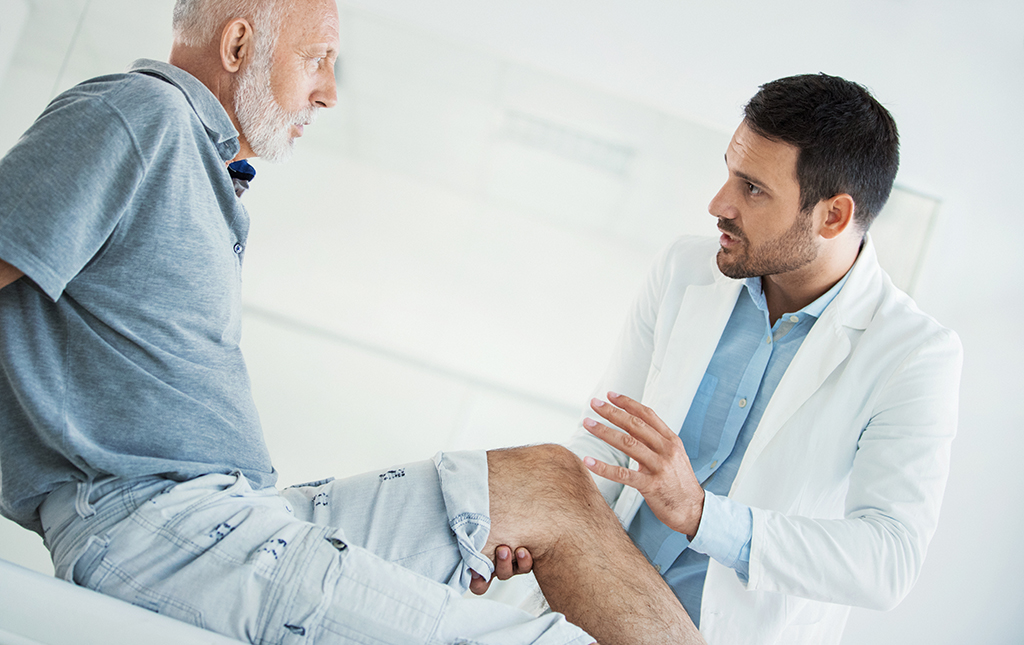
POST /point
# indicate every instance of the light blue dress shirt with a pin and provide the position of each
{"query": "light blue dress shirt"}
(750, 360)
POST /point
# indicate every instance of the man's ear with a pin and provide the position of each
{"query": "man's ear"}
(236, 44)
(839, 214)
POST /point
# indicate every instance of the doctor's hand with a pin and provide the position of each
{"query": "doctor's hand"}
(505, 566)
(665, 477)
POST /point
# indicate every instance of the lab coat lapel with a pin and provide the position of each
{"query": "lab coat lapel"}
(825, 348)
(703, 314)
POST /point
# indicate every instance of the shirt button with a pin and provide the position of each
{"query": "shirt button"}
(743, 403)
(238, 248)
(794, 319)
(657, 568)
(768, 340)
(713, 464)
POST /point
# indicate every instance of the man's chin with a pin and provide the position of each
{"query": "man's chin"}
(729, 265)
(278, 153)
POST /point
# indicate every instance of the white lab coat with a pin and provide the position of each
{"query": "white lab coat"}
(846, 470)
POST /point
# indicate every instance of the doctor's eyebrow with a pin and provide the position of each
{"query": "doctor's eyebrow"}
(745, 177)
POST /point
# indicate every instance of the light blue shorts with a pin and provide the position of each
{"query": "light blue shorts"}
(380, 558)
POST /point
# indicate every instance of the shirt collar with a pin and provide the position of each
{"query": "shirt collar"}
(756, 291)
(206, 106)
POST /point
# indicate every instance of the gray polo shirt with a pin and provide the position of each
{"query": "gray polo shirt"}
(119, 350)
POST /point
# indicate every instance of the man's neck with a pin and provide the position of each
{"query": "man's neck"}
(792, 291)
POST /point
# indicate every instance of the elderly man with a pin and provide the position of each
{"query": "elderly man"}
(788, 412)
(128, 435)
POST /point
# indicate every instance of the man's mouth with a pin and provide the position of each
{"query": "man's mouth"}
(303, 120)
(728, 239)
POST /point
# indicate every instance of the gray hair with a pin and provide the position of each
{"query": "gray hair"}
(196, 22)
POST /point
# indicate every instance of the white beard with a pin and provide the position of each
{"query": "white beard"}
(265, 125)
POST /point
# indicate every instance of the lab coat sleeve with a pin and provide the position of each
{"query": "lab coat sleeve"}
(628, 370)
(872, 557)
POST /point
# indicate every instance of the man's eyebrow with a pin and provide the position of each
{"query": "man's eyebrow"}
(321, 47)
(744, 176)
(754, 180)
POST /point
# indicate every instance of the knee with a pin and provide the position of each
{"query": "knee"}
(561, 468)
(549, 475)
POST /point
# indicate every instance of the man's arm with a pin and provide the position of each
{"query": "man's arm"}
(8, 274)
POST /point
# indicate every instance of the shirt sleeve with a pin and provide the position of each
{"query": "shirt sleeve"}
(725, 531)
(63, 188)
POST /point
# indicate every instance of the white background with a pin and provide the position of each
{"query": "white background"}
(446, 261)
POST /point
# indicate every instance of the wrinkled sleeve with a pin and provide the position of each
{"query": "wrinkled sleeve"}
(63, 188)
(726, 528)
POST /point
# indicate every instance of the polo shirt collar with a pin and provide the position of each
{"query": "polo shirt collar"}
(206, 106)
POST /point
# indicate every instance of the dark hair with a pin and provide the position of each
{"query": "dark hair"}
(848, 142)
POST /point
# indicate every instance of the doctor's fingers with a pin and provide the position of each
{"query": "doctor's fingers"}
(626, 443)
(478, 584)
(506, 566)
(619, 474)
(642, 412)
(634, 425)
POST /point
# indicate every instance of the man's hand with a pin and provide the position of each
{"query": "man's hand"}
(505, 566)
(665, 477)
(8, 274)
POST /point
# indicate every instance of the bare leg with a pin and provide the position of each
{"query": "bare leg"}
(542, 498)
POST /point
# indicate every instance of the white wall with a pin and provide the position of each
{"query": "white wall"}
(14, 13)
(416, 281)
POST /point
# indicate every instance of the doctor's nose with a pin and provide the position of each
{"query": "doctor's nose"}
(720, 207)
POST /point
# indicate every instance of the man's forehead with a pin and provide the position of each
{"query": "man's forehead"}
(314, 22)
(751, 152)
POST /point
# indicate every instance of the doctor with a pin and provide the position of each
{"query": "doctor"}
(786, 413)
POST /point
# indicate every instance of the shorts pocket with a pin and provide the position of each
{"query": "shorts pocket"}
(88, 561)
(111, 580)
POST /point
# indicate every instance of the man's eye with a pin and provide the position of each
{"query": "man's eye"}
(752, 189)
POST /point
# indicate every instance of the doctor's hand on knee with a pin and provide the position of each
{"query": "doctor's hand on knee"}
(665, 477)
(506, 565)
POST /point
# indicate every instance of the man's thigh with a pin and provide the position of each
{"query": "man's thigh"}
(430, 517)
(236, 561)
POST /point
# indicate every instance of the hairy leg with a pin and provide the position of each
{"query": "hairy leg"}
(543, 498)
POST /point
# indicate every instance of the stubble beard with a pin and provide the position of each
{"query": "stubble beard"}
(264, 123)
(791, 250)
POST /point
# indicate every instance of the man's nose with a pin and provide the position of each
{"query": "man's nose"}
(720, 207)
(326, 93)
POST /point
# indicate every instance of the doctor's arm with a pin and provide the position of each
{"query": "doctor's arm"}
(873, 555)
(869, 558)
(716, 526)
(8, 274)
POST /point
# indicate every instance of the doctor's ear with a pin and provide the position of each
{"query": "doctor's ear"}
(236, 43)
(839, 214)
